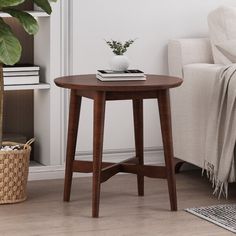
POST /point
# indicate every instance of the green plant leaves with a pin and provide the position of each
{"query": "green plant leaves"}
(44, 5)
(28, 22)
(10, 3)
(118, 48)
(10, 48)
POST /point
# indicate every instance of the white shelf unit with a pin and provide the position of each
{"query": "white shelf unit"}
(27, 87)
(48, 103)
(48, 99)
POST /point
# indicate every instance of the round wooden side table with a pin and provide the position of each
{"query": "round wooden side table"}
(156, 86)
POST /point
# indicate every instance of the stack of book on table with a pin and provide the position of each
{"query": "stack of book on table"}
(127, 75)
(21, 74)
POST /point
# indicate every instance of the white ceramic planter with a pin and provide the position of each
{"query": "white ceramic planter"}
(119, 63)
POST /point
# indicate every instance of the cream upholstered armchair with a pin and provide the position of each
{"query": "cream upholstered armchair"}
(192, 60)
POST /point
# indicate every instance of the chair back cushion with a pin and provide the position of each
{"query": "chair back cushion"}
(222, 29)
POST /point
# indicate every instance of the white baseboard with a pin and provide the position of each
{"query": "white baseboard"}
(151, 156)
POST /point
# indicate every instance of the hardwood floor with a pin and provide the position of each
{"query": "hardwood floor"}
(122, 212)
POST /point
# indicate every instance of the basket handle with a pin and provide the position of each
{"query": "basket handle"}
(29, 142)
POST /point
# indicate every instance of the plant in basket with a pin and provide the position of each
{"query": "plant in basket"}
(14, 158)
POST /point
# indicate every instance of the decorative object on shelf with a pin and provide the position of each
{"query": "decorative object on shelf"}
(10, 53)
(126, 75)
(119, 62)
(21, 74)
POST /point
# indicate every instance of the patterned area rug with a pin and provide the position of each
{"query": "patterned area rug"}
(222, 215)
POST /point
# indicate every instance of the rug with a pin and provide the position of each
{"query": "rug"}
(222, 215)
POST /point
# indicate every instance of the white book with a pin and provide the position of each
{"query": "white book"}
(20, 73)
(139, 78)
(126, 73)
(20, 80)
(21, 67)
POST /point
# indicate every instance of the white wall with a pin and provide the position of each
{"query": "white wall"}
(153, 22)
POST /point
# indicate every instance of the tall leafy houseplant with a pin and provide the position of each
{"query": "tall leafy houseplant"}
(10, 47)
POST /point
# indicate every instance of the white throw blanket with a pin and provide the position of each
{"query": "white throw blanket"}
(221, 131)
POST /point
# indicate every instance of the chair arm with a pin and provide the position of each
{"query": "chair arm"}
(187, 51)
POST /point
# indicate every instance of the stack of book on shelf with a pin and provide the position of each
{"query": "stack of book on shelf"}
(127, 75)
(21, 74)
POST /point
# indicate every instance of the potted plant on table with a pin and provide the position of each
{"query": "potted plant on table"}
(119, 62)
(14, 158)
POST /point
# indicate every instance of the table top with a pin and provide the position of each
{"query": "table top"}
(90, 82)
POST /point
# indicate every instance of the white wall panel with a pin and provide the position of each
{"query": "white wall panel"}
(153, 22)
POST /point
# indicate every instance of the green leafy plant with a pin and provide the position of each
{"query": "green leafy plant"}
(118, 47)
(10, 47)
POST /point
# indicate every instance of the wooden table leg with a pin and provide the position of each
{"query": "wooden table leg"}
(74, 113)
(165, 119)
(98, 130)
(138, 131)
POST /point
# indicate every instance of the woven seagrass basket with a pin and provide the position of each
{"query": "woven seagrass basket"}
(14, 169)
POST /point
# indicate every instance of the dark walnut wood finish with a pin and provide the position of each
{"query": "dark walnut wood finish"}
(88, 86)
